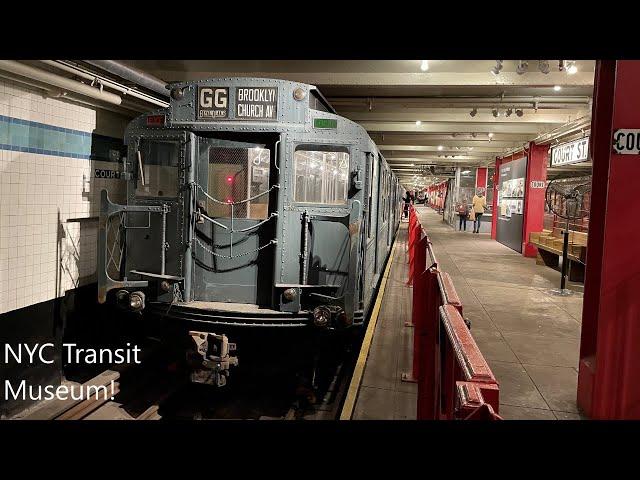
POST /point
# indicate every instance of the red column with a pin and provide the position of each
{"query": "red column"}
(534, 197)
(494, 207)
(608, 386)
(481, 177)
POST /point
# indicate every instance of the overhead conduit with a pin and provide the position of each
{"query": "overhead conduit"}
(126, 91)
(133, 75)
(64, 83)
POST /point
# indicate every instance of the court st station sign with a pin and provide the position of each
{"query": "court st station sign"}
(626, 141)
(570, 152)
(251, 103)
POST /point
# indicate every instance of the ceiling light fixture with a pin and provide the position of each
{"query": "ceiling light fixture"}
(418, 123)
(424, 65)
(490, 134)
(543, 66)
(473, 112)
(557, 88)
(440, 147)
(496, 70)
(571, 68)
(522, 67)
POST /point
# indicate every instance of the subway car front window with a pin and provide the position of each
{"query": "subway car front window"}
(156, 167)
(321, 176)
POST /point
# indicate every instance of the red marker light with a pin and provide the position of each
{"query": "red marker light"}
(229, 200)
(229, 179)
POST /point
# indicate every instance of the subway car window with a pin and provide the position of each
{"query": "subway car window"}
(321, 176)
(235, 174)
(157, 169)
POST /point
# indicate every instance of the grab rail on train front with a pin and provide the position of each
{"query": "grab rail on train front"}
(109, 209)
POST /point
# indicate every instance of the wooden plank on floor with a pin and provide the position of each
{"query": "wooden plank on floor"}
(50, 409)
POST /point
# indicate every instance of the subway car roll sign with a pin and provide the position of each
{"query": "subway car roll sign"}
(213, 103)
(256, 103)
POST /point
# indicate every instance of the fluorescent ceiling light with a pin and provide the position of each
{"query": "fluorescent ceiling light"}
(418, 123)
(557, 88)
(424, 65)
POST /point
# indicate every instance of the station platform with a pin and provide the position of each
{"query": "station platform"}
(529, 337)
(382, 394)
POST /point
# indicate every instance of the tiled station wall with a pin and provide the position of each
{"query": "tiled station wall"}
(49, 196)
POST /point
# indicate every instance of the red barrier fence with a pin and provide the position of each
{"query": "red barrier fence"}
(454, 380)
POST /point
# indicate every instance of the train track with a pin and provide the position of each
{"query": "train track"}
(159, 389)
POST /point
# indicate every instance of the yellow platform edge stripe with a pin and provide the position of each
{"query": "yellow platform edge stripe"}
(358, 372)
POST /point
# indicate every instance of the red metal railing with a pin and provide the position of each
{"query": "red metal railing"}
(454, 380)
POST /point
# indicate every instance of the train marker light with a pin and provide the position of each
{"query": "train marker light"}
(229, 179)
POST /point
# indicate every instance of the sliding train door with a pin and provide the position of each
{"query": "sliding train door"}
(235, 203)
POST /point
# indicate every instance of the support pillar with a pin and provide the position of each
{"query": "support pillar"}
(609, 368)
(481, 177)
(534, 197)
(494, 205)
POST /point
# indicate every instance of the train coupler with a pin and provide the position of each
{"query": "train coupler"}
(211, 360)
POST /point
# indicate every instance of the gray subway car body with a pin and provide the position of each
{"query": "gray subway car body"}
(250, 203)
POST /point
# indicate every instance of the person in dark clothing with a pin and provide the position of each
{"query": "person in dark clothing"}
(408, 200)
(463, 213)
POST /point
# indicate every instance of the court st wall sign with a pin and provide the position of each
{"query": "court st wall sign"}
(570, 152)
(626, 141)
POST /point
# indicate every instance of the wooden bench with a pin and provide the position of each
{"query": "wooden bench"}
(549, 244)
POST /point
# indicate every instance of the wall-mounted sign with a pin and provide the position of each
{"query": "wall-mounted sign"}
(257, 103)
(626, 142)
(213, 103)
(110, 174)
(538, 184)
(570, 152)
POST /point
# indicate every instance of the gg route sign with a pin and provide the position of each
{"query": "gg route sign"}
(626, 141)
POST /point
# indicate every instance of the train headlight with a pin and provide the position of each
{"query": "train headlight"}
(299, 94)
(136, 301)
(289, 294)
(321, 316)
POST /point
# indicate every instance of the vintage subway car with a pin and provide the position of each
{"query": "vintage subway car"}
(250, 203)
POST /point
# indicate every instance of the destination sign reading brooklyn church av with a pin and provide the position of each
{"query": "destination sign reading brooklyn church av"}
(256, 103)
(251, 103)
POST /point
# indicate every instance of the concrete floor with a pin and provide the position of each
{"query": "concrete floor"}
(529, 337)
(382, 395)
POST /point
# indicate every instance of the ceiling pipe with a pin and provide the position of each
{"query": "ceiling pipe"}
(80, 72)
(133, 75)
(54, 92)
(63, 83)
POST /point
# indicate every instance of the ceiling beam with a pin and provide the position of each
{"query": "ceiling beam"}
(491, 147)
(450, 102)
(405, 79)
(442, 115)
(447, 127)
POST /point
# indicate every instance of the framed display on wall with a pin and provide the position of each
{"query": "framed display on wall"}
(511, 186)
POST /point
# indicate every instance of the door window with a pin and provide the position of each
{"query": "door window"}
(237, 174)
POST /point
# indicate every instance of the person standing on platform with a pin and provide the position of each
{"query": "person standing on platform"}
(407, 202)
(463, 213)
(479, 204)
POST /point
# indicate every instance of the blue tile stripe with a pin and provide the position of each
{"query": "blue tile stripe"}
(33, 137)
